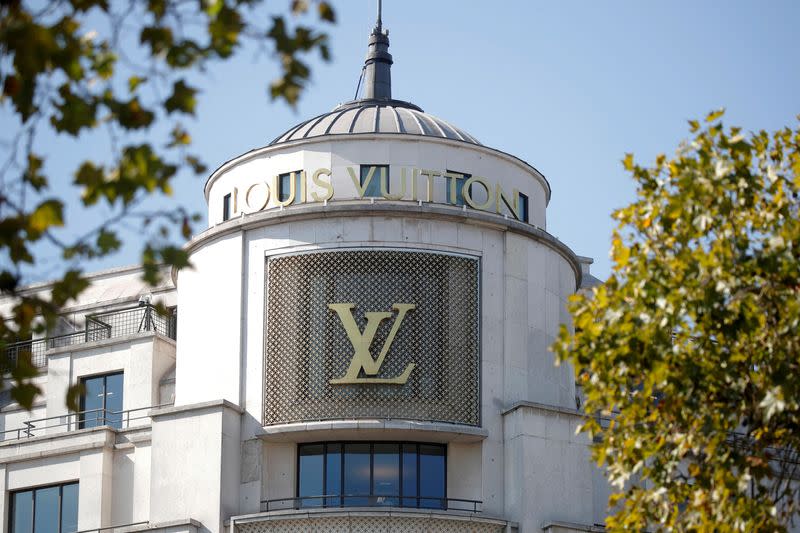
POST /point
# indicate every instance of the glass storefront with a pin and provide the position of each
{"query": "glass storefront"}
(365, 474)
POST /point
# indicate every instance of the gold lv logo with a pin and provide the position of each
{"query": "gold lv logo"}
(361, 341)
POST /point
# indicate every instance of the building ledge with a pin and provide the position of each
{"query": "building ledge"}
(555, 409)
(400, 519)
(372, 429)
(85, 346)
(202, 406)
(571, 527)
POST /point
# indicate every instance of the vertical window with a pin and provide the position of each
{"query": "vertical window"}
(226, 207)
(456, 197)
(372, 474)
(523, 207)
(432, 477)
(357, 473)
(285, 186)
(310, 480)
(51, 509)
(101, 403)
(379, 174)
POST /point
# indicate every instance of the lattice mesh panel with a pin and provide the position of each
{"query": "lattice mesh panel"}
(370, 524)
(307, 345)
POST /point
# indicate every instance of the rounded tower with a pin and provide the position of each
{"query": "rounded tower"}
(372, 304)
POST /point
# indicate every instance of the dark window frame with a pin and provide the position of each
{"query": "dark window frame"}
(523, 207)
(32, 490)
(339, 500)
(83, 419)
(363, 171)
(226, 207)
(464, 177)
(298, 176)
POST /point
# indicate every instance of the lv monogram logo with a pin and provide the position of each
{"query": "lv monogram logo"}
(361, 341)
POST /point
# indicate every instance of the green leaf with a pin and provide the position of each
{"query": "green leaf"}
(182, 99)
(326, 12)
(107, 241)
(714, 115)
(46, 215)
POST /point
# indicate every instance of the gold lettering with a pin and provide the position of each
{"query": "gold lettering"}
(467, 191)
(385, 185)
(250, 191)
(362, 189)
(501, 196)
(430, 174)
(361, 341)
(324, 184)
(453, 183)
(235, 200)
(414, 175)
(292, 190)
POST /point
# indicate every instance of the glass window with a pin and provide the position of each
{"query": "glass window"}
(523, 207)
(372, 474)
(458, 197)
(226, 207)
(51, 509)
(311, 475)
(386, 473)
(357, 473)
(409, 480)
(285, 191)
(432, 476)
(380, 173)
(101, 403)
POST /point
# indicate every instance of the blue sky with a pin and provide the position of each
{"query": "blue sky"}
(569, 87)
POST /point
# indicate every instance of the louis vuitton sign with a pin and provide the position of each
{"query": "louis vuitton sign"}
(372, 334)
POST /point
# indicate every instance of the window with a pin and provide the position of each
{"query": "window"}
(523, 207)
(285, 192)
(351, 474)
(458, 197)
(52, 509)
(101, 403)
(378, 174)
(226, 207)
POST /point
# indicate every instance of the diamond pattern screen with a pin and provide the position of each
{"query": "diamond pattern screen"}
(435, 344)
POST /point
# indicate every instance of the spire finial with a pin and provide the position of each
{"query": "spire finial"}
(377, 74)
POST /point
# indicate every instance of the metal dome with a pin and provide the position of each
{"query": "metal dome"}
(375, 115)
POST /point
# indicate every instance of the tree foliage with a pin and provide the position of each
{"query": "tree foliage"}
(126, 69)
(689, 355)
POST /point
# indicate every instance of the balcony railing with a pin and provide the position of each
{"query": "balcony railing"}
(328, 501)
(99, 326)
(80, 420)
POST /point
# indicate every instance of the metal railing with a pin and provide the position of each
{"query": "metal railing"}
(328, 501)
(79, 420)
(99, 326)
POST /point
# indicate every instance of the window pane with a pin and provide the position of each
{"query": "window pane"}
(523, 207)
(386, 473)
(226, 207)
(22, 514)
(46, 519)
(409, 474)
(333, 473)
(310, 478)
(431, 476)
(458, 199)
(356, 473)
(381, 172)
(92, 401)
(69, 508)
(114, 400)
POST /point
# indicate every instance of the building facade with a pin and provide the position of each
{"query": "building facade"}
(362, 345)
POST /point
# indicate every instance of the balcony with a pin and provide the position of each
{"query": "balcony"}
(333, 501)
(99, 326)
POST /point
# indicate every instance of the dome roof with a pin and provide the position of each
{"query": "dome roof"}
(375, 115)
